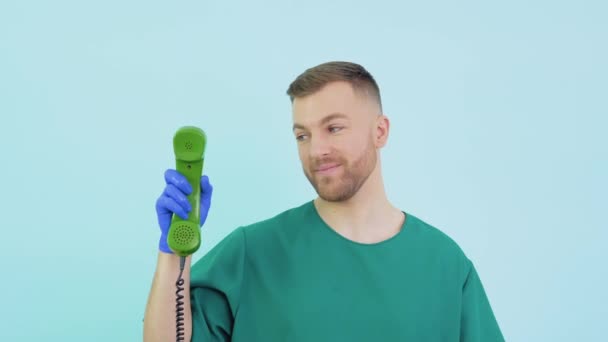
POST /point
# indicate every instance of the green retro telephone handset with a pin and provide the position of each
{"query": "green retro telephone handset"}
(184, 237)
(189, 143)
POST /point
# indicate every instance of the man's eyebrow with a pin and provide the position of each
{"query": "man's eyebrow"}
(326, 119)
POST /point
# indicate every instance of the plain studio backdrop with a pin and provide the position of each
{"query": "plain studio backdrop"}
(497, 137)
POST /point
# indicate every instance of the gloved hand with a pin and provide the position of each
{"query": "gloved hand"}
(174, 200)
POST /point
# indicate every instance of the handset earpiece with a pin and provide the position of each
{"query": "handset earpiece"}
(189, 143)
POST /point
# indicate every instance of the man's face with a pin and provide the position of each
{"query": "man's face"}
(334, 129)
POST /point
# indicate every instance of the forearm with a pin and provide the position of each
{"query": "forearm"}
(160, 316)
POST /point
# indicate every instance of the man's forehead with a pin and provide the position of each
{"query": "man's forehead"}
(336, 100)
(302, 124)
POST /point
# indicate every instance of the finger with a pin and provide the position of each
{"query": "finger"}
(173, 192)
(168, 204)
(205, 202)
(179, 180)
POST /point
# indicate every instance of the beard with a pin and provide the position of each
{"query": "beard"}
(341, 187)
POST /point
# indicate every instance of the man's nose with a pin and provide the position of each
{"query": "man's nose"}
(319, 147)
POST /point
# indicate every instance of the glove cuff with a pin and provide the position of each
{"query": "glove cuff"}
(163, 246)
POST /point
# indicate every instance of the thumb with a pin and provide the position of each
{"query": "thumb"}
(206, 187)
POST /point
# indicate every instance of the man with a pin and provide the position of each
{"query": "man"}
(346, 266)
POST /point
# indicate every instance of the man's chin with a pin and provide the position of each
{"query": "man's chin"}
(332, 195)
(329, 188)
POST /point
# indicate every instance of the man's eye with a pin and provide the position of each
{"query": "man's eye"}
(300, 137)
(334, 129)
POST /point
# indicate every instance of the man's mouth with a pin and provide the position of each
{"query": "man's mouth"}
(327, 168)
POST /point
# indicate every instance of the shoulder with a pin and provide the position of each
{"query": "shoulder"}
(281, 223)
(289, 215)
(435, 241)
(427, 231)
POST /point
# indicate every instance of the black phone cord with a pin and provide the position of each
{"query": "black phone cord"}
(179, 311)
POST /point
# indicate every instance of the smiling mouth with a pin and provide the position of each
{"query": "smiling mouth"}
(328, 168)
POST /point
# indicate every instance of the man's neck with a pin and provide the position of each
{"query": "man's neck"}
(367, 217)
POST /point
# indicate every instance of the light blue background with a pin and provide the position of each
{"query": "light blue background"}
(498, 138)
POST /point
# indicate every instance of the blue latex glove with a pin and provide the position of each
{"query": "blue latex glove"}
(174, 200)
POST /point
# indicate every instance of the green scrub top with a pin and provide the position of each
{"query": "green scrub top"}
(292, 278)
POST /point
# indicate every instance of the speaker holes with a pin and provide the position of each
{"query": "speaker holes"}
(189, 145)
(183, 234)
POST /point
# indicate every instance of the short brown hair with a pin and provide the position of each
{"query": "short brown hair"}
(315, 78)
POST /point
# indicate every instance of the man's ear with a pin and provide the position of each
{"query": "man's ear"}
(382, 127)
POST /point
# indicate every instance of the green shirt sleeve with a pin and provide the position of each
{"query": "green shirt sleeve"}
(477, 322)
(215, 287)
